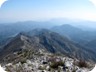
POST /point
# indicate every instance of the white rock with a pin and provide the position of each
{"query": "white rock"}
(2, 69)
(68, 64)
(94, 70)
(28, 62)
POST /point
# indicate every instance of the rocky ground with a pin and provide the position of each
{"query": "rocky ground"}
(43, 61)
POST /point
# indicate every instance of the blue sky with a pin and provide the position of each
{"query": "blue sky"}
(23, 10)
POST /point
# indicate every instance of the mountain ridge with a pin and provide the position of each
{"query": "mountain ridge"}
(49, 41)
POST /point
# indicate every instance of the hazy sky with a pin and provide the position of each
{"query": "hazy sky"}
(23, 10)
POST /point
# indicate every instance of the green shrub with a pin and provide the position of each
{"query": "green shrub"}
(56, 64)
(23, 61)
(82, 64)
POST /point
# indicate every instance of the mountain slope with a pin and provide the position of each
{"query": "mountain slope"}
(47, 40)
(78, 35)
(91, 45)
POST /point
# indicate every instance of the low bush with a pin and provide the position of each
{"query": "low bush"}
(56, 64)
(82, 64)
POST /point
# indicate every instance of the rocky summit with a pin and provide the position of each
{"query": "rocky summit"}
(42, 61)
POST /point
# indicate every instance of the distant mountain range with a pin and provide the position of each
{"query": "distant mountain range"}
(83, 24)
(11, 29)
(76, 34)
(47, 40)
